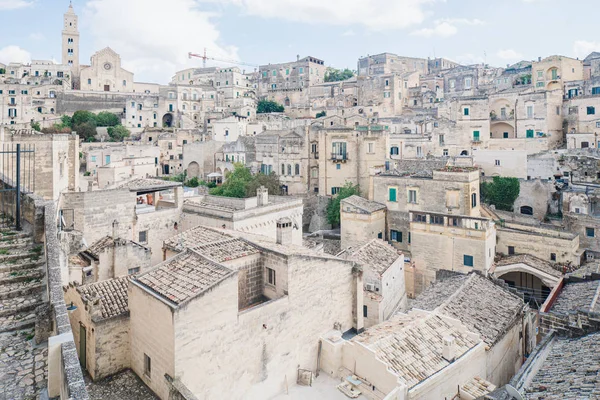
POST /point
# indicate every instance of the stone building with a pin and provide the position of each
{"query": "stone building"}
(105, 73)
(148, 212)
(110, 258)
(251, 309)
(257, 215)
(388, 63)
(384, 291)
(551, 72)
(420, 355)
(501, 317)
(361, 220)
(100, 323)
(347, 154)
(70, 44)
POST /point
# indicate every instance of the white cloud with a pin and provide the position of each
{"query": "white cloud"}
(583, 48)
(374, 14)
(14, 4)
(10, 54)
(155, 42)
(446, 27)
(349, 32)
(443, 29)
(509, 55)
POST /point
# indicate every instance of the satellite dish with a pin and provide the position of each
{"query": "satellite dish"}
(513, 392)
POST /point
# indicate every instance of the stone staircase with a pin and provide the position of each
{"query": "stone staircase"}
(22, 280)
(23, 368)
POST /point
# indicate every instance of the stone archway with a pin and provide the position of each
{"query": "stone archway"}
(167, 120)
(193, 170)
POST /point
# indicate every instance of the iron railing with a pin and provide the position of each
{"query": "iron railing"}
(17, 177)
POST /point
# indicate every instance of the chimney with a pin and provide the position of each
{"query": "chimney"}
(539, 59)
(297, 57)
(449, 348)
(262, 196)
(115, 228)
(284, 231)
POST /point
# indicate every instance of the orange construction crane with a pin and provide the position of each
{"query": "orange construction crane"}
(204, 57)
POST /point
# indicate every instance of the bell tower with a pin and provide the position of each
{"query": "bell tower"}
(70, 44)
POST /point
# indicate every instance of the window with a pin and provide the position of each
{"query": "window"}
(589, 232)
(338, 166)
(124, 83)
(441, 140)
(511, 250)
(147, 365)
(505, 135)
(476, 136)
(436, 220)
(370, 148)
(297, 169)
(392, 194)
(468, 260)
(143, 237)
(107, 159)
(335, 190)
(467, 83)
(591, 110)
(314, 173)
(271, 278)
(93, 158)
(497, 163)
(289, 169)
(466, 111)
(529, 133)
(452, 83)
(445, 152)
(386, 94)
(552, 256)
(301, 70)
(132, 271)
(396, 236)
(539, 84)
(596, 90)
(365, 311)
(282, 168)
(527, 210)
(412, 196)
(274, 73)
(89, 81)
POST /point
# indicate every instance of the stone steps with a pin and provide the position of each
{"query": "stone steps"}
(19, 304)
(6, 278)
(15, 244)
(20, 265)
(17, 321)
(18, 289)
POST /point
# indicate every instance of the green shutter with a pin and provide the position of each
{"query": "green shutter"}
(476, 136)
(529, 133)
(392, 194)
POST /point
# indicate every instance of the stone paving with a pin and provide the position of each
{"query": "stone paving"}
(121, 386)
(23, 364)
(23, 369)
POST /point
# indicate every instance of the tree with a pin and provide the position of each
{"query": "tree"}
(36, 126)
(268, 106)
(501, 192)
(86, 131)
(2, 71)
(65, 120)
(118, 133)
(83, 117)
(242, 184)
(333, 208)
(270, 181)
(105, 118)
(57, 128)
(321, 114)
(334, 75)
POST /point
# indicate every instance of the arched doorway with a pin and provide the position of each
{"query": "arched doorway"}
(167, 120)
(464, 153)
(193, 170)
(287, 102)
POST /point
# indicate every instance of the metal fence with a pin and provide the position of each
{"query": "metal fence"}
(17, 177)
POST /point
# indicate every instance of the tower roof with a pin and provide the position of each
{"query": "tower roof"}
(70, 10)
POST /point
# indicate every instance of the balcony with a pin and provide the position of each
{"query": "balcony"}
(336, 158)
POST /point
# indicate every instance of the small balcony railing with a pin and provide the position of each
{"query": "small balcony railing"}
(339, 157)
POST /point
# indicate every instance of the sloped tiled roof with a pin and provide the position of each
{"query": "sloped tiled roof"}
(194, 237)
(413, 350)
(577, 296)
(364, 204)
(532, 261)
(225, 250)
(571, 371)
(112, 293)
(139, 184)
(183, 277)
(479, 303)
(477, 387)
(376, 255)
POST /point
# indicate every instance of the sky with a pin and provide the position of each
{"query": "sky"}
(154, 37)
